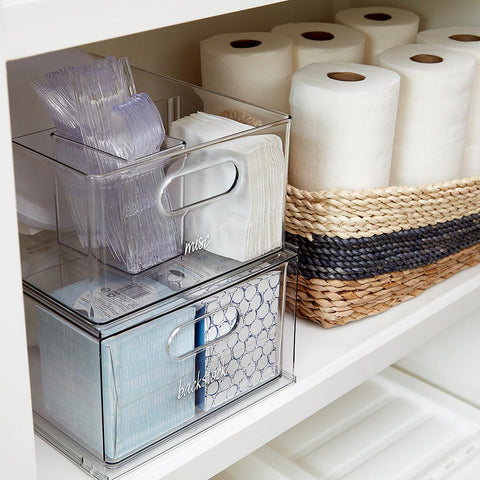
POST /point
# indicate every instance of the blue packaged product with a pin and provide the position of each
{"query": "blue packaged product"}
(134, 370)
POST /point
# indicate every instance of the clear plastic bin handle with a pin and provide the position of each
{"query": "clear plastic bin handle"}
(196, 320)
(169, 178)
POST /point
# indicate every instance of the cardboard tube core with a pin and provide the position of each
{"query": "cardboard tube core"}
(426, 58)
(379, 17)
(318, 36)
(465, 38)
(245, 43)
(346, 76)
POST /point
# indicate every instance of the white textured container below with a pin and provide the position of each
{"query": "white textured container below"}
(391, 427)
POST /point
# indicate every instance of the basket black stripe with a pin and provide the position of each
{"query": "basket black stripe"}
(356, 258)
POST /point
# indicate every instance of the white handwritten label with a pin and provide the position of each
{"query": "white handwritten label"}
(200, 243)
(201, 382)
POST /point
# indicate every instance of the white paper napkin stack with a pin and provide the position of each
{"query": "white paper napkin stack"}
(249, 176)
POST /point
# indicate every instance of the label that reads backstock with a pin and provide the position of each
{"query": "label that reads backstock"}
(198, 383)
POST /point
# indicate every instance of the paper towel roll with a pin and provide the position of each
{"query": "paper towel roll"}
(253, 66)
(466, 40)
(384, 27)
(432, 112)
(323, 42)
(343, 122)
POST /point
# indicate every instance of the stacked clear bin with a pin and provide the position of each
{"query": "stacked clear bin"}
(155, 302)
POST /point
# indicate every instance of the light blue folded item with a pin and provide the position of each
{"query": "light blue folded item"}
(140, 383)
(246, 317)
(70, 378)
(140, 379)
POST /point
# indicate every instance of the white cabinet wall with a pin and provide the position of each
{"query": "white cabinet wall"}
(329, 363)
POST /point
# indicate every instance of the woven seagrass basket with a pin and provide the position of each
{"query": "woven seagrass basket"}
(364, 251)
(361, 252)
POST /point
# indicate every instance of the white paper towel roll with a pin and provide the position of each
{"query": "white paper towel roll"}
(432, 112)
(343, 122)
(466, 40)
(252, 66)
(384, 27)
(323, 42)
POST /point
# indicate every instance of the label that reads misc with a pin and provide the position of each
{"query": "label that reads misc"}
(201, 242)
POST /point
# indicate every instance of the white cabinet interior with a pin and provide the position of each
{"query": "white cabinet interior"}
(168, 43)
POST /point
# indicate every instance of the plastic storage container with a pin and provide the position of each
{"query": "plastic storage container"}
(103, 393)
(393, 426)
(218, 198)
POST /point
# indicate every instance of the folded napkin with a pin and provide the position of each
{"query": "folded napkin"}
(248, 174)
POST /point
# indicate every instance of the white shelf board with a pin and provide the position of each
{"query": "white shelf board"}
(32, 27)
(329, 363)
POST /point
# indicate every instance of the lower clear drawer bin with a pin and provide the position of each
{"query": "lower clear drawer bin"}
(105, 394)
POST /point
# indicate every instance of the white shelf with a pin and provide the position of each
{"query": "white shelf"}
(329, 364)
(58, 24)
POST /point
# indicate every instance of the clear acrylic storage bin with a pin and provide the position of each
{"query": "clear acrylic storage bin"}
(103, 394)
(213, 196)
